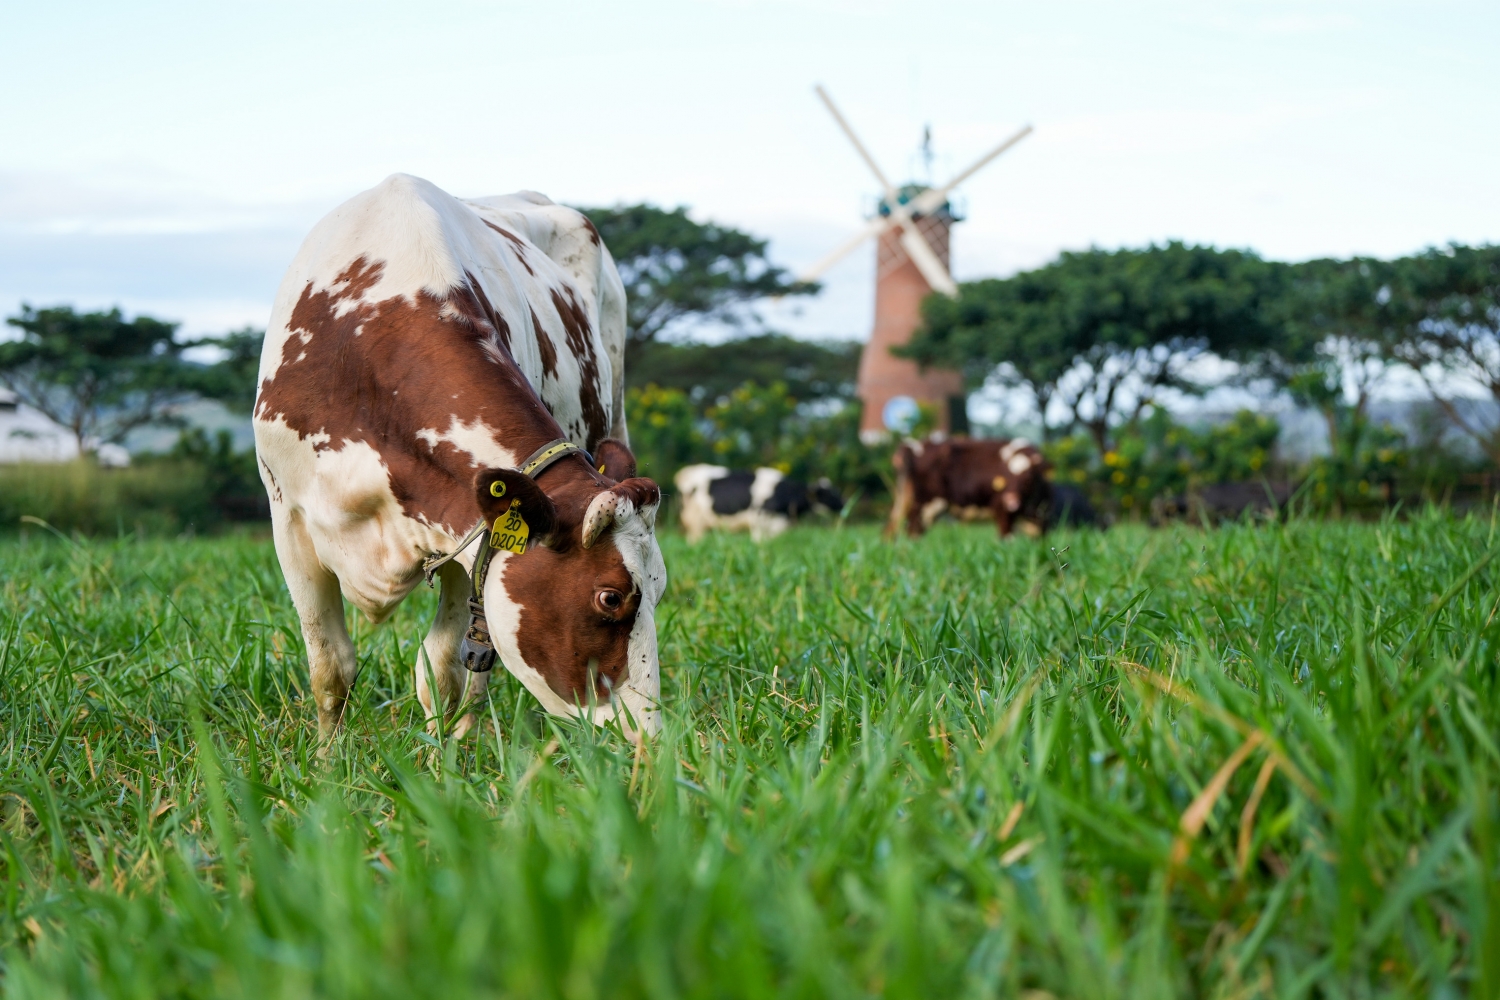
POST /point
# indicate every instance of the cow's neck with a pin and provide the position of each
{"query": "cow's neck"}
(521, 424)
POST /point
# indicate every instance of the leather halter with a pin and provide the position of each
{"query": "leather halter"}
(549, 453)
(476, 652)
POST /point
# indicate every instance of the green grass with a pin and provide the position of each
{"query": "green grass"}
(153, 497)
(1247, 762)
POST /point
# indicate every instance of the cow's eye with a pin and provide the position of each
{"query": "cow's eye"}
(609, 601)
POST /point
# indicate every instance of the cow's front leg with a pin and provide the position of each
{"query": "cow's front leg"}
(1004, 517)
(320, 607)
(901, 505)
(438, 658)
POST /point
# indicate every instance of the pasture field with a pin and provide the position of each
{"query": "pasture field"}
(1253, 761)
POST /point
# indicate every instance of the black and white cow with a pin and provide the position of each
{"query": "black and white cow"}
(764, 502)
(435, 366)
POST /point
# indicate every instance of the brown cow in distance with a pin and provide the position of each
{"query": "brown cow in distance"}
(1002, 479)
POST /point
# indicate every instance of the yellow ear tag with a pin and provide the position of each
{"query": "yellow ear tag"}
(998, 483)
(511, 532)
(601, 468)
(497, 488)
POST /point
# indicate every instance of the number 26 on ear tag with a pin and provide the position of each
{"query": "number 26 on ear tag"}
(511, 532)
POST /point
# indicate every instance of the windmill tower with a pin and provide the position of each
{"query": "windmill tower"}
(911, 227)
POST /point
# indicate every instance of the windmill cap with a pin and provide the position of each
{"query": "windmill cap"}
(907, 192)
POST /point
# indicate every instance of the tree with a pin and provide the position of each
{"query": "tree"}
(1101, 334)
(810, 370)
(95, 373)
(675, 268)
(1329, 351)
(232, 380)
(1443, 307)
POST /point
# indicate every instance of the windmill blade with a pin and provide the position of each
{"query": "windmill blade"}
(877, 225)
(933, 197)
(915, 245)
(858, 146)
(964, 175)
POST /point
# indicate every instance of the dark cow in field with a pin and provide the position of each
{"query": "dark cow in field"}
(435, 368)
(1220, 502)
(764, 502)
(1068, 507)
(969, 478)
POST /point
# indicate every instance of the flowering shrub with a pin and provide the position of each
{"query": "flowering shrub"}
(1158, 456)
(664, 431)
(1362, 470)
(755, 425)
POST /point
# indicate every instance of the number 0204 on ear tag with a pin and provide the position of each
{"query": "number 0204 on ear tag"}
(511, 532)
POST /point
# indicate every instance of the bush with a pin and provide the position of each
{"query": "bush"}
(1159, 456)
(233, 478)
(664, 431)
(754, 425)
(200, 485)
(149, 498)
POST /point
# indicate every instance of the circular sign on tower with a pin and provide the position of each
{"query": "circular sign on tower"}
(900, 414)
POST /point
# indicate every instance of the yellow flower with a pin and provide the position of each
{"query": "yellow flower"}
(1119, 478)
(1111, 458)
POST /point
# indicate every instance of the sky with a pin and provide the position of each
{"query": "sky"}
(169, 157)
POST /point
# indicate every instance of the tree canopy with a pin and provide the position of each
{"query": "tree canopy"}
(810, 370)
(97, 374)
(675, 268)
(1442, 319)
(232, 379)
(1099, 332)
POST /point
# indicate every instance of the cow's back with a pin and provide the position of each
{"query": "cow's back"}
(571, 242)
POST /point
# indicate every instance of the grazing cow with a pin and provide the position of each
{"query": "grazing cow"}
(1219, 502)
(764, 502)
(434, 366)
(1005, 480)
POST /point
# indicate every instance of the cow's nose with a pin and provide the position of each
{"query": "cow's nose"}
(638, 714)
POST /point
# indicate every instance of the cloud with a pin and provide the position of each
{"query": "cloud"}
(122, 202)
(208, 281)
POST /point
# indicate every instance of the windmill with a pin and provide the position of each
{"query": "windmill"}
(911, 227)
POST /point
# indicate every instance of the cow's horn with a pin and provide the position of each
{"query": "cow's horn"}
(601, 514)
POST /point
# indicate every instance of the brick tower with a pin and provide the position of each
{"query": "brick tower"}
(899, 291)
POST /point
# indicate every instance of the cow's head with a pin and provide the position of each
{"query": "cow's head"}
(1022, 479)
(574, 617)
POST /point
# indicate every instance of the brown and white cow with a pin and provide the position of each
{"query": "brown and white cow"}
(421, 347)
(1005, 480)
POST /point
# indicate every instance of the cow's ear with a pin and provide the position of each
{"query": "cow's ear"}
(614, 459)
(497, 489)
